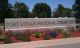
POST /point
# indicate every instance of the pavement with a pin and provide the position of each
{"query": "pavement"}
(54, 43)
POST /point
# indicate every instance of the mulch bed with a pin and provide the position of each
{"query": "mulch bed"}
(31, 37)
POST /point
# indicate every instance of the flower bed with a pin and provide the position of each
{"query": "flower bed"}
(28, 35)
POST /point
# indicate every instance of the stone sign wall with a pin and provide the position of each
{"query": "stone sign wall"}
(16, 23)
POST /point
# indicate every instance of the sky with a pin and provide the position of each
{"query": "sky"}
(52, 3)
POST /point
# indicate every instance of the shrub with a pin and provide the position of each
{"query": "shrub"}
(66, 34)
(6, 39)
(22, 37)
(8, 34)
(46, 37)
(58, 30)
(53, 34)
(37, 34)
(1, 37)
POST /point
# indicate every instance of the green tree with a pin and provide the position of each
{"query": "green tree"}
(10, 12)
(20, 10)
(31, 15)
(3, 6)
(58, 11)
(66, 12)
(41, 10)
(76, 10)
(61, 11)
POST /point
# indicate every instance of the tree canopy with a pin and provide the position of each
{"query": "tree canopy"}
(42, 10)
(10, 12)
(61, 11)
(3, 7)
(58, 11)
(76, 10)
(20, 10)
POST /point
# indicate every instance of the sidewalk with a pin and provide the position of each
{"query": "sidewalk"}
(56, 43)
